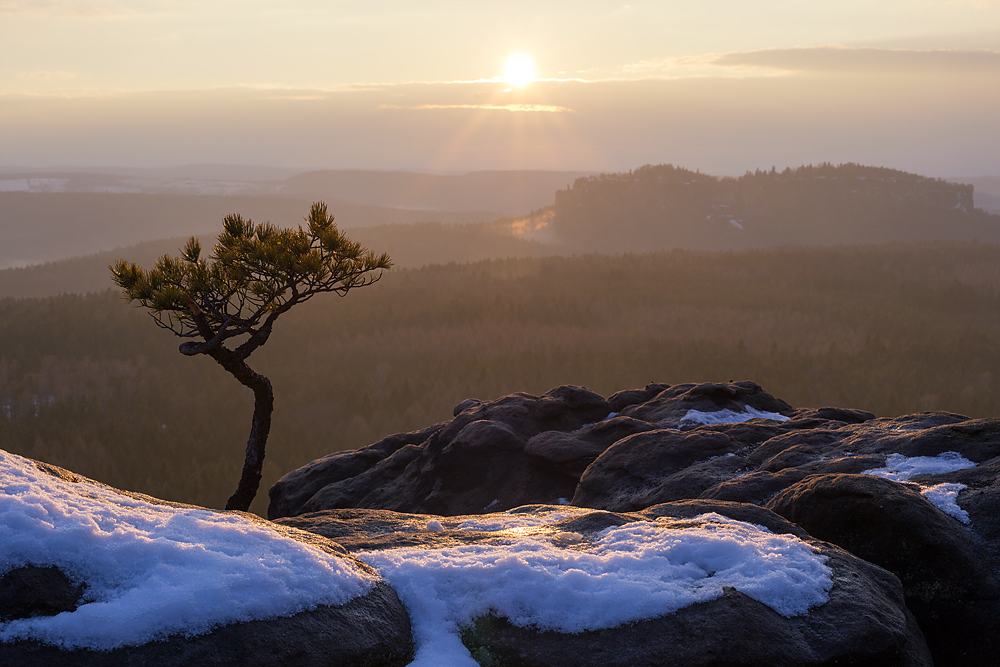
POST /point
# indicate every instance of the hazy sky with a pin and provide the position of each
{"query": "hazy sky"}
(718, 85)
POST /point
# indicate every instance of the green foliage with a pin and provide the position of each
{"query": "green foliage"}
(256, 271)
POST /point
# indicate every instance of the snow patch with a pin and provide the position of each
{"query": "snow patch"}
(154, 571)
(637, 571)
(730, 416)
(945, 498)
(901, 468)
(507, 522)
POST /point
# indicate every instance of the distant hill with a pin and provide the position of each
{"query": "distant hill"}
(410, 246)
(502, 192)
(657, 207)
(987, 192)
(40, 226)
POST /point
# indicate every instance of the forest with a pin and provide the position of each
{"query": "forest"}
(662, 207)
(88, 382)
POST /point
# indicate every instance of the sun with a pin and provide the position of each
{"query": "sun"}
(519, 70)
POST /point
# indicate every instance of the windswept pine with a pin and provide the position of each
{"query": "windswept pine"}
(257, 272)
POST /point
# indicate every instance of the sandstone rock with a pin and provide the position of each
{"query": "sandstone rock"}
(623, 476)
(290, 493)
(949, 582)
(475, 463)
(670, 407)
(151, 569)
(37, 591)
(370, 631)
(573, 451)
(844, 415)
(623, 399)
(863, 623)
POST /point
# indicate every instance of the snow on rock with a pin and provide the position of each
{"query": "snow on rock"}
(729, 416)
(900, 468)
(153, 571)
(638, 571)
(945, 498)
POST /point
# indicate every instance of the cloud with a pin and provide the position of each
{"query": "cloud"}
(545, 108)
(46, 9)
(850, 60)
(45, 76)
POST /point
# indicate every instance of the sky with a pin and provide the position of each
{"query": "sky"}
(719, 85)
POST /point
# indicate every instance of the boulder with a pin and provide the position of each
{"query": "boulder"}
(95, 576)
(369, 631)
(477, 462)
(632, 470)
(862, 621)
(572, 451)
(676, 406)
(949, 581)
(293, 491)
(37, 591)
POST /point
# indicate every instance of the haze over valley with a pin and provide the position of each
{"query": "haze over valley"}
(669, 333)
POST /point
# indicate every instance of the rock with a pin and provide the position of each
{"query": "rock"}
(290, 494)
(981, 499)
(670, 408)
(759, 487)
(630, 471)
(623, 399)
(354, 491)
(362, 633)
(140, 581)
(844, 415)
(37, 591)
(466, 405)
(475, 463)
(864, 622)
(573, 451)
(949, 582)
(926, 434)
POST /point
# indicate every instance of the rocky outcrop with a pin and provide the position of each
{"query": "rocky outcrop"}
(917, 495)
(31, 590)
(93, 576)
(950, 581)
(478, 462)
(863, 621)
(369, 631)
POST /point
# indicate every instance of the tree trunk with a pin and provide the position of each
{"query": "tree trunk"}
(263, 406)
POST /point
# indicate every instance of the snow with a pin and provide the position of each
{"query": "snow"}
(515, 521)
(945, 498)
(154, 571)
(730, 416)
(641, 570)
(901, 468)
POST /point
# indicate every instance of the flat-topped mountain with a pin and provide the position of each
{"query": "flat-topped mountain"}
(665, 206)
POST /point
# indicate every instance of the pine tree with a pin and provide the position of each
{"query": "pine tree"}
(228, 304)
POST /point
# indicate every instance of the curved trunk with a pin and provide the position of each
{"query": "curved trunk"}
(263, 406)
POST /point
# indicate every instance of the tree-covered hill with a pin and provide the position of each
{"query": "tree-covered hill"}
(657, 207)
